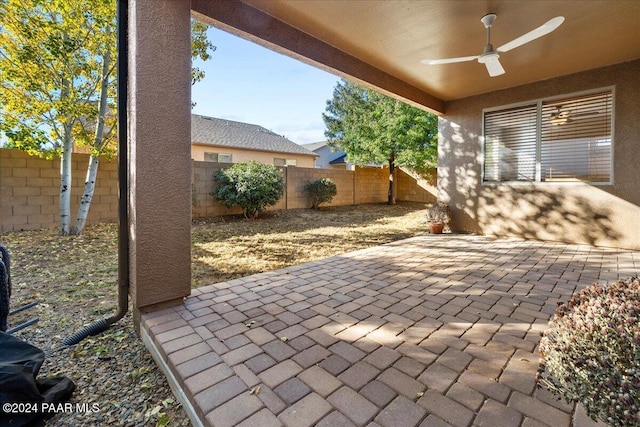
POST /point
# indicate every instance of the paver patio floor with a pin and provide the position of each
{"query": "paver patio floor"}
(428, 331)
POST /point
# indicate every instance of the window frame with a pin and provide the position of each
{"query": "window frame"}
(286, 162)
(217, 154)
(538, 103)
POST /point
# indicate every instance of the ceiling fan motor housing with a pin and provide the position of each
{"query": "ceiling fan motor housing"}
(488, 55)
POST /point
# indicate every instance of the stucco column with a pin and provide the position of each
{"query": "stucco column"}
(159, 153)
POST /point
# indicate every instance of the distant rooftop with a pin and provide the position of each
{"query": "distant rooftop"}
(340, 160)
(315, 145)
(227, 133)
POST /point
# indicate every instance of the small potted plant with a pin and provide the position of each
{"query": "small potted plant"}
(438, 216)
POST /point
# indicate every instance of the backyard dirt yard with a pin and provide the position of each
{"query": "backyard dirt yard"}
(75, 280)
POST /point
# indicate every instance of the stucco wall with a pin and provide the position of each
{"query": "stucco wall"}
(242, 156)
(603, 215)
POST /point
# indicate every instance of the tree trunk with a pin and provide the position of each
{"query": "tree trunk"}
(92, 169)
(65, 170)
(87, 195)
(392, 189)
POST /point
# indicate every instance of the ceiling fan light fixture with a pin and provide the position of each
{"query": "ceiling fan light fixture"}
(559, 120)
(490, 60)
(559, 117)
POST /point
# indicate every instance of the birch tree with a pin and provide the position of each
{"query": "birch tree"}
(58, 88)
(374, 128)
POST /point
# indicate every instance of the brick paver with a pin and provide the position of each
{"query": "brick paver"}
(428, 331)
(305, 412)
(292, 390)
(447, 409)
(401, 412)
(263, 418)
(234, 411)
(494, 414)
(353, 406)
(335, 419)
(359, 375)
(280, 373)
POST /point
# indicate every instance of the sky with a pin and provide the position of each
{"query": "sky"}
(248, 83)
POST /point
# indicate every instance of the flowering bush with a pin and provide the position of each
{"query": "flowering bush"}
(591, 352)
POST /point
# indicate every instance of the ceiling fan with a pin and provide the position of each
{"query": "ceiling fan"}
(490, 56)
(561, 116)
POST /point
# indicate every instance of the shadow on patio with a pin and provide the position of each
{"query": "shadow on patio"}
(430, 331)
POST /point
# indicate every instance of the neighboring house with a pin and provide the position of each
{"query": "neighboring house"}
(328, 158)
(226, 141)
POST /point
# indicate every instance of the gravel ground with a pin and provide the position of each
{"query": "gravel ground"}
(75, 280)
(112, 370)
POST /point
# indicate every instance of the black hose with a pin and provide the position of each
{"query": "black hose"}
(92, 329)
(123, 188)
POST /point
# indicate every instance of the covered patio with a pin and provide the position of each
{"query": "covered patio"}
(429, 331)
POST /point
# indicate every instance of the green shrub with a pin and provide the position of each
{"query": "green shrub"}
(320, 191)
(592, 352)
(253, 186)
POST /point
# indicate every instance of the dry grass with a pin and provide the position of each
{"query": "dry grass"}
(228, 247)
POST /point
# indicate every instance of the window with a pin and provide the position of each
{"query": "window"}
(218, 157)
(554, 140)
(284, 162)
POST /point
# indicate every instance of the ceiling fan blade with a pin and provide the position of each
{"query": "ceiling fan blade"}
(448, 60)
(494, 67)
(585, 113)
(542, 30)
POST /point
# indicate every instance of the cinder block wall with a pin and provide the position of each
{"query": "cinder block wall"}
(298, 177)
(30, 188)
(413, 188)
(371, 185)
(364, 185)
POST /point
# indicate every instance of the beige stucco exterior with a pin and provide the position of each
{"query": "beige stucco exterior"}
(159, 107)
(241, 156)
(604, 215)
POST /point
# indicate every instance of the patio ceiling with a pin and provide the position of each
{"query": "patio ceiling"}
(381, 43)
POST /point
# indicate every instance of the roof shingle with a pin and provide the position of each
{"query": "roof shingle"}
(227, 133)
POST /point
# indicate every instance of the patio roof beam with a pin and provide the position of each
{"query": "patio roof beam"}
(250, 23)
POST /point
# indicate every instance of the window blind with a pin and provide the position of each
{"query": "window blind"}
(567, 139)
(576, 139)
(510, 144)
